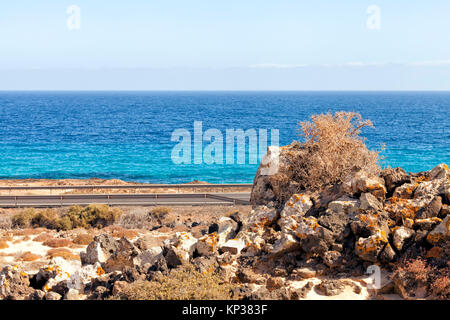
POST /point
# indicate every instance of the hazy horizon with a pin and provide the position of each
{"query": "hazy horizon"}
(227, 46)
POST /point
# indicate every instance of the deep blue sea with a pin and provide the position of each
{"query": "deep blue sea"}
(127, 135)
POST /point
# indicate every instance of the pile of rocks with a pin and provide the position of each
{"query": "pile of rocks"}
(108, 264)
(378, 219)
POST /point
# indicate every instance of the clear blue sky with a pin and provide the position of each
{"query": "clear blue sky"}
(228, 44)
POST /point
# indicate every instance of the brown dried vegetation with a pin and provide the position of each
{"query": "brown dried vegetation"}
(333, 149)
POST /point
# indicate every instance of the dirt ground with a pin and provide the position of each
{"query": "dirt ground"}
(97, 182)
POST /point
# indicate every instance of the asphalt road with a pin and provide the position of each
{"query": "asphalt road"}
(127, 199)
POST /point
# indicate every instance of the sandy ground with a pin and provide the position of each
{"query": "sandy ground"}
(96, 182)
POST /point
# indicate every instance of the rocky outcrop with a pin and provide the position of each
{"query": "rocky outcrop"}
(368, 218)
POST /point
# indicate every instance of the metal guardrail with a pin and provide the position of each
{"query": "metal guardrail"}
(138, 186)
(127, 199)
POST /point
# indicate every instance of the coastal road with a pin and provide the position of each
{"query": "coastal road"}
(167, 199)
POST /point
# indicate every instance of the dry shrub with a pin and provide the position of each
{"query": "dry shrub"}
(333, 149)
(160, 215)
(119, 232)
(136, 220)
(3, 244)
(28, 256)
(57, 243)
(63, 253)
(47, 218)
(94, 215)
(5, 221)
(182, 283)
(43, 237)
(160, 212)
(421, 273)
(440, 287)
(83, 239)
(23, 219)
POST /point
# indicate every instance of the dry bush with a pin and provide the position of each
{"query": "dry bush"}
(136, 220)
(333, 149)
(420, 273)
(440, 287)
(43, 237)
(5, 222)
(63, 253)
(83, 239)
(182, 283)
(57, 243)
(159, 214)
(28, 256)
(23, 219)
(46, 218)
(94, 215)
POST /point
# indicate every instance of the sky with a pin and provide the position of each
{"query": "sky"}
(225, 45)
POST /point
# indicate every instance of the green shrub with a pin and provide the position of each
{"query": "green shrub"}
(182, 283)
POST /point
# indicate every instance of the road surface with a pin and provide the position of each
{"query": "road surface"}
(166, 199)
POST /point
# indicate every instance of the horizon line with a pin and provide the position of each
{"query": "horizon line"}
(217, 90)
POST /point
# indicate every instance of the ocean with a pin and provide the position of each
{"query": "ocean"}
(127, 135)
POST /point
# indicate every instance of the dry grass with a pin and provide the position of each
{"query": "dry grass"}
(333, 149)
(28, 256)
(43, 237)
(28, 232)
(57, 243)
(83, 239)
(119, 232)
(183, 283)
(6, 238)
(63, 253)
(3, 244)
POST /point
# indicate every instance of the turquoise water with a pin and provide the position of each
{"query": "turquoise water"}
(127, 135)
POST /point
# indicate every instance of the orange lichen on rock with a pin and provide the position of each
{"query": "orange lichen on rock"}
(100, 271)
